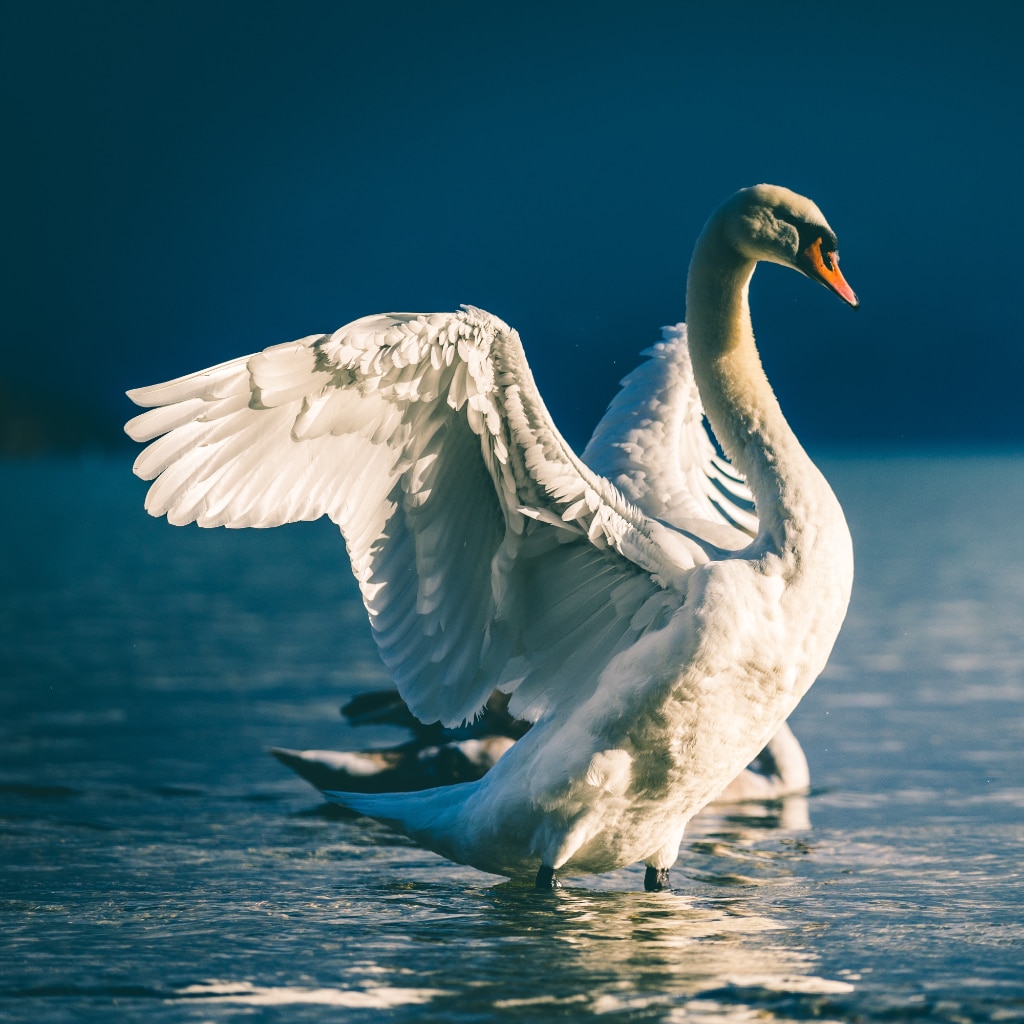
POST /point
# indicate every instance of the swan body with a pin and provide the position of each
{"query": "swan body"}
(655, 632)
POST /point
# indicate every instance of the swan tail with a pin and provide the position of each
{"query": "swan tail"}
(430, 816)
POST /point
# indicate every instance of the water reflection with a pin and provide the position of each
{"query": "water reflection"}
(791, 814)
(626, 951)
(603, 946)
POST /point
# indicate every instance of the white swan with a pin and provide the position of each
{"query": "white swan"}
(656, 652)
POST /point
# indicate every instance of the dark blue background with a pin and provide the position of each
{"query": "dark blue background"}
(189, 182)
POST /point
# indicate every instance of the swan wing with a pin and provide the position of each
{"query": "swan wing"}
(487, 553)
(653, 444)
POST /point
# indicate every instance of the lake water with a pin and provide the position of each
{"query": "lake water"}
(156, 864)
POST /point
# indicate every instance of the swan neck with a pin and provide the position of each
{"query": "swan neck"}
(738, 400)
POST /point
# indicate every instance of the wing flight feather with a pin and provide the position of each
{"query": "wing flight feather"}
(486, 550)
(653, 444)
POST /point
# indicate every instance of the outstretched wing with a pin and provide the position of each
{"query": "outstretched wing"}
(487, 553)
(653, 444)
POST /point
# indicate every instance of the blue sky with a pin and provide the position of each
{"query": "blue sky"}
(191, 182)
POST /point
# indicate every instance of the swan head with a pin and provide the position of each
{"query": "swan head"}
(772, 223)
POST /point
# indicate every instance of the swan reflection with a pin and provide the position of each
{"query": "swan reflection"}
(611, 951)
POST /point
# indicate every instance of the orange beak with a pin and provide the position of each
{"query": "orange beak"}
(824, 267)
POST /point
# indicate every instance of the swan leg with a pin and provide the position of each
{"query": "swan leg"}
(659, 862)
(656, 879)
(546, 879)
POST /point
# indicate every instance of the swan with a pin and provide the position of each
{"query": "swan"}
(655, 632)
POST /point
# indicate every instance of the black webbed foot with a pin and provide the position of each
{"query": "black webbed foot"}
(546, 879)
(656, 880)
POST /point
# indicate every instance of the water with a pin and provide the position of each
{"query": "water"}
(158, 865)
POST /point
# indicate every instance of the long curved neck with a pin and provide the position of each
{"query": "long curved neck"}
(740, 404)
